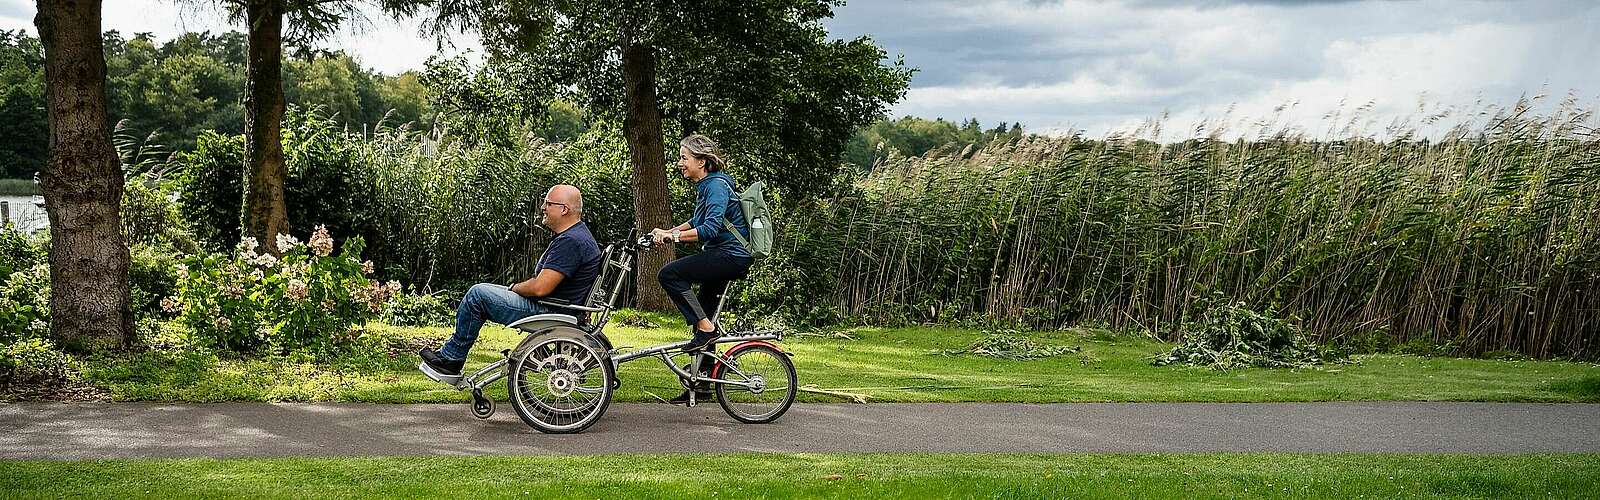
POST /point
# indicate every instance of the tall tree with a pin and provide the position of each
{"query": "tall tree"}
(762, 77)
(307, 21)
(82, 183)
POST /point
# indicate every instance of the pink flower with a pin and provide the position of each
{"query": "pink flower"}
(169, 304)
(321, 243)
(296, 291)
(366, 267)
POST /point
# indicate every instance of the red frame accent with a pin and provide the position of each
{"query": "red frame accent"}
(716, 371)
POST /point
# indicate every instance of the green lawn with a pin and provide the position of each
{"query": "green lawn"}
(900, 365)
(820, 476)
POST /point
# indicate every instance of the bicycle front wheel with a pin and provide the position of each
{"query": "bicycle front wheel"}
(762, 383)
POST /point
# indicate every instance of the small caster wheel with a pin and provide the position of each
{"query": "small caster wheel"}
(616, 383)
(482, 407)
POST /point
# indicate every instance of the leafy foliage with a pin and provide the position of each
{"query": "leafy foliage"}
(24, 129)
(417, 309)
(35, 360)
(194, 83)
(308, 300)
(18, 251)
(24, 286)
(1230, 336)
(25, 304)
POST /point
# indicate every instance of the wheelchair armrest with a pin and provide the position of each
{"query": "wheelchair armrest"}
(568, 305)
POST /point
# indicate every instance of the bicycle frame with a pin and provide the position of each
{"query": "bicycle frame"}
(495, 371)
(601, 304)
(664, 353)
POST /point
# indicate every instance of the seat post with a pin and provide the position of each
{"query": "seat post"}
(716, 316)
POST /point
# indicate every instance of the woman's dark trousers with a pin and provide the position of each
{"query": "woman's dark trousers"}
(712, 270)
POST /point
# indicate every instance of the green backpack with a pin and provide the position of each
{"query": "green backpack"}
(757, 218)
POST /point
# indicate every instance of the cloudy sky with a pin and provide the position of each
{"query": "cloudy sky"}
(1099, 67)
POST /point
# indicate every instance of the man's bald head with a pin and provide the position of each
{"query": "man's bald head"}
(563, 207)
(567, 194)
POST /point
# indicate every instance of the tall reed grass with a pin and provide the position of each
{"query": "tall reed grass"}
(451, 211)
(1488, 239)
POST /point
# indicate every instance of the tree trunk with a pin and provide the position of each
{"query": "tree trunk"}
(82, 183)
(265, 216)
(651, 209)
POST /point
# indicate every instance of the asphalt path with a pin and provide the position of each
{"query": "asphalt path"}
(136, 430)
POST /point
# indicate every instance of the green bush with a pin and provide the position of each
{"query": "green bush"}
(439, 212)
(212, 188)
(452, 212)
(34, 361)
(18, 251)
(151, 217)
(152, 276)
(310, 300)
(412, 309)
(25, 304)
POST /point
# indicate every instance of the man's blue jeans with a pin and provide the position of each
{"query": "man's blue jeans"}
(486, 302)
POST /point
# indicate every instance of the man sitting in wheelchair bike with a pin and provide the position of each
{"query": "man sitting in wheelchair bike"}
(565, 272)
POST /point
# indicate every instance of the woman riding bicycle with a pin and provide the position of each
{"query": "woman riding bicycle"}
(721, 259)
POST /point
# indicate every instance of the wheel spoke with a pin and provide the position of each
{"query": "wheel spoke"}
(555, 384)
(762, 387)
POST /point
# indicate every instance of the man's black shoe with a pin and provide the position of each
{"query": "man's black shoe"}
(701, 340)
(438, 364)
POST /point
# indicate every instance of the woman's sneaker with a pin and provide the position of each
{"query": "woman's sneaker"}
(701, 340)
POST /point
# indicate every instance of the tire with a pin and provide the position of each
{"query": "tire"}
(761, 362)
(560, 381)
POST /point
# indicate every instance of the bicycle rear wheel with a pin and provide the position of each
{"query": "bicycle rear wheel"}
(769, 380)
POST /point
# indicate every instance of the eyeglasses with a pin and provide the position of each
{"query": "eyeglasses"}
(548, 203)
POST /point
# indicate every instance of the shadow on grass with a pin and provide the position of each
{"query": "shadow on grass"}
(1583, 389)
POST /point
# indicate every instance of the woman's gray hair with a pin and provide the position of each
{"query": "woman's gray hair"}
(704, 148)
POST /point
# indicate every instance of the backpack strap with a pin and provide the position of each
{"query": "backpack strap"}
(729, 224)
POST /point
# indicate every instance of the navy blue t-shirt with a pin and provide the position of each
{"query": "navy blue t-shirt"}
(575, 255)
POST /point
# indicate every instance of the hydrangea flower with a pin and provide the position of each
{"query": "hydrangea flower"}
(321, 243)
(287, 243)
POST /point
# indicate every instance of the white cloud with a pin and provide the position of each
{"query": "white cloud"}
(1101, 67)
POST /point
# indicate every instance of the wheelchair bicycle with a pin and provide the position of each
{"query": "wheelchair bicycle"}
(561, 377)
